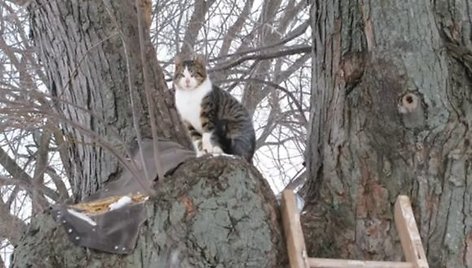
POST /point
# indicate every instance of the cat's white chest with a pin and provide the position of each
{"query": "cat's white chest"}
(188, 104)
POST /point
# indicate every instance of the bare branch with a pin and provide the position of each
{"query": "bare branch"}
(20, 177)
(11, 227)
(301, 29)
(234, 29)
(63, 194)
(284, 51)
(195, 24)
(38, 200)
(151, 105)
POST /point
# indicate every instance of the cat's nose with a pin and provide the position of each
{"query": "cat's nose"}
(187, 81)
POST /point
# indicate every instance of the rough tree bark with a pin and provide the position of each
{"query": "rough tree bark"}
(215, 212)
(391, 111)
(90, 50)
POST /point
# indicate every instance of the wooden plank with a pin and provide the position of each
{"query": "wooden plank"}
(341, 263)
(409, 234)
(293, 231)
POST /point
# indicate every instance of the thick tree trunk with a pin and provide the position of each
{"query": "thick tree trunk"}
(92, 56)
(391, 111)
(213, 212)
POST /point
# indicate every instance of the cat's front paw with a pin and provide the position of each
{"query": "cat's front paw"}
(200, 153)
(216, 150)
(206, 143)
(197, 145)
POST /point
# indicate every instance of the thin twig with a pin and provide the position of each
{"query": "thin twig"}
(147, 89)
(146, 183)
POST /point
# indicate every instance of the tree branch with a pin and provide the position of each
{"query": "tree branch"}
(11, 227)
(62, 192)
(38, 200)
(195, 24)
(234, 29)
(289, 37)
(20, 177)
(150, 104)
(285, 51)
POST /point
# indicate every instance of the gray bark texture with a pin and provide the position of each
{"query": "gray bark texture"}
(91, 52)
(391, 114)
(212, 212)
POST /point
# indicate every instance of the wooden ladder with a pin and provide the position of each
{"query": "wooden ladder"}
(406, 227)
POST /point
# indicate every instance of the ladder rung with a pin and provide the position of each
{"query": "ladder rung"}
(406, 227)
(341, 263)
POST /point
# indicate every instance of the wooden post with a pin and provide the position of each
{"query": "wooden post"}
(409, 234)
(293, 231)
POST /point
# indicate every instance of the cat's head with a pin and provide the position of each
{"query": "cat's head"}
(189, 74)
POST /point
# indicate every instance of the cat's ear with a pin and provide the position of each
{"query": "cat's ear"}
(178, 60)
(199, 59)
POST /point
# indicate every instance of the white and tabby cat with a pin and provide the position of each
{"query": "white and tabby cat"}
(216, 121)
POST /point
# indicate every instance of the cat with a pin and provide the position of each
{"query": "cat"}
(216, 121)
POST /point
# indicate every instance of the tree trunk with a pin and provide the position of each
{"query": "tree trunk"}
(92, 55)
(213, 212)
(391, 110)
